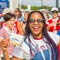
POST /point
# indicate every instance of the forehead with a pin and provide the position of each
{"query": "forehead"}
(36, 15)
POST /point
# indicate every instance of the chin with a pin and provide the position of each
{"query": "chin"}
(36, 33)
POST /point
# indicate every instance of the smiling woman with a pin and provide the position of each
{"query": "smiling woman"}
(38, 44)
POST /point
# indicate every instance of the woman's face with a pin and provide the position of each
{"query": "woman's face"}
(10, 23)
(17, 13)
(54, 14)
(36, 23)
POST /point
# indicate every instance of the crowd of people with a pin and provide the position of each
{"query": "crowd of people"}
(40, 31)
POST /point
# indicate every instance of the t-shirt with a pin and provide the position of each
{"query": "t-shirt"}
(23, 51)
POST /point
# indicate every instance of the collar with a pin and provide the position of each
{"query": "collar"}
(38, 38)
(35, 38)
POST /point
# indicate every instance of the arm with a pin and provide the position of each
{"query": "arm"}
(5, 54)
(17, 54)
(15, 58)
(3, 46)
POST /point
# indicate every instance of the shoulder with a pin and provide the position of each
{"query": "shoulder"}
(49, 20)
(2, 30)
(22, 51)
(3, 33)
(54, 37)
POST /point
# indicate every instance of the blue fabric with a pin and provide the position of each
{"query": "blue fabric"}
(38, 55)
(46, 54)
(21, 19)
(58, 32)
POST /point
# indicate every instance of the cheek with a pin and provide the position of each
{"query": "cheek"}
(30, 26)
(11, 24)
(54, 15)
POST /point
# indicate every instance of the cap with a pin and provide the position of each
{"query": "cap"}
(54, 9)
(6, 10)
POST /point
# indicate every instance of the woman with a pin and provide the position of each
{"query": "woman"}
(25, 20)
(18, 14)
(9, 20)
(38, 43)
(51, 22)
(19, 21)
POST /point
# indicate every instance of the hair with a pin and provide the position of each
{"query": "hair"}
(8, 16)
(44, 32)
(19, 11)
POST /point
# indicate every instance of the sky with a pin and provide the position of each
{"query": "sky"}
(38, 2)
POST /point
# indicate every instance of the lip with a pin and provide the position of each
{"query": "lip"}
(36, 28)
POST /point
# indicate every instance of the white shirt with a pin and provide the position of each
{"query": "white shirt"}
(24, 50)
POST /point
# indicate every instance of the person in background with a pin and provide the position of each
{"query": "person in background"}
(19, 21)
(9, 20)
(18, 14)
(59, 15)
(16, 27)
(6, 10)
(38, 44)
(58, 27)
(25, 20)
(51, 23)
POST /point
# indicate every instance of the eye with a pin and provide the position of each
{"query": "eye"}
(31, 21)
(40, 20)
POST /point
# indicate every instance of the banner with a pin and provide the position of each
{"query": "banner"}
(3, 4)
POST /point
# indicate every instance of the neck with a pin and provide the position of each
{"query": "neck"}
(9, 28)
(39, 36)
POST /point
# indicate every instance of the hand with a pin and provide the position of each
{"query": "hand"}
(4, 44)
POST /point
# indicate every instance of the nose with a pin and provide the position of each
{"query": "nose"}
(35, 22)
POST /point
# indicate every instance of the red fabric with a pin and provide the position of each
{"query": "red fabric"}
(58, 26)
(52, 27)
(38, 38)
(15, 27)
(50, 21)
(58, 21)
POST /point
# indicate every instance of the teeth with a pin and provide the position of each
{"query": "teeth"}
(36, 27)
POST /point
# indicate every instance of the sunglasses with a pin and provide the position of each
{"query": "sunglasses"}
(54, 12)
(33, 21)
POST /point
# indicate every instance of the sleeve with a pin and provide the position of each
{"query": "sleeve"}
(54, 36)
(22, 51)
(18, 52)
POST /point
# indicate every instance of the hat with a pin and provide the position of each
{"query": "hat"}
(54, 9)
(6, 10)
